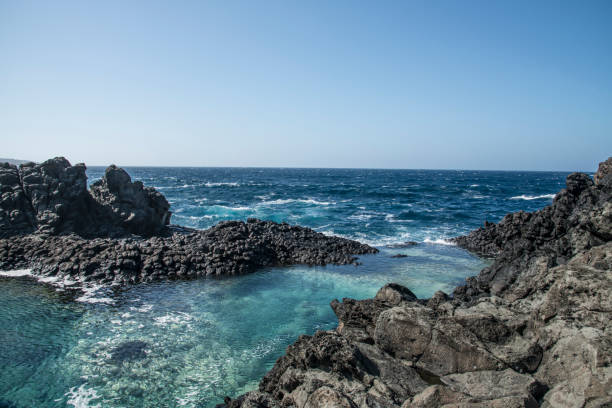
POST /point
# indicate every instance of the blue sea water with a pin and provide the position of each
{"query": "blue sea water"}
(209, 338)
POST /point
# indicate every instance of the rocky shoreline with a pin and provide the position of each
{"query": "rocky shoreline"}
(119, 232)
(532, 329)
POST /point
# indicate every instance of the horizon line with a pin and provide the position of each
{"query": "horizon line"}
(340, 168)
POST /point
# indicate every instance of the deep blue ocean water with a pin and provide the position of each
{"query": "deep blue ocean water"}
(209, 338)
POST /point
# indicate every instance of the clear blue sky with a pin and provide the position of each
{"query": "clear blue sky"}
(407, 84)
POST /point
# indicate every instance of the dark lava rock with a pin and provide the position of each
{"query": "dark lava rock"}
(577, 220)
(228, 248)
(533, 329)
(52, 198)
(399, 256)
(16, 212)
(140, 210)
(129, 351)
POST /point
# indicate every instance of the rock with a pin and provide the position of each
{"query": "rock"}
(58, 195)
(399, 256)
(394, 293)
(435, 396)
(225, 249)
(488, 385)
(52, 198)
(437, 299)
(325, 397)
(140, 210)
(603, 176)
(16, 212)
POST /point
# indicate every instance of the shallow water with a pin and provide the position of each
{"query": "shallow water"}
(191, 343)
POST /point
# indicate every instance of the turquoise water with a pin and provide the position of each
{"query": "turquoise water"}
(191, 343)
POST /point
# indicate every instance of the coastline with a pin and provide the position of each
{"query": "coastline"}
(480, 326)
(530, 330)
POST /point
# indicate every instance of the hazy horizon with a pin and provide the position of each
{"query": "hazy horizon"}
(127, 166)
(478, 85)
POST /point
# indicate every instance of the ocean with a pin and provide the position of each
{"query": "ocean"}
(198, 341)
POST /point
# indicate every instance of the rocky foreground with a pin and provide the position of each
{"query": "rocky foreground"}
(118, 232)
(531, 330)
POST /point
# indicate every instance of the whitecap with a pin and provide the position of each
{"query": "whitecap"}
(360, 217)
(533, 197)
(225, 207)
(194, 217)
(438, 241)
(293, 200)
(220, 184)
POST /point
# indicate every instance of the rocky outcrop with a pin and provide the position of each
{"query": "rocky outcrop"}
(140, 210)
(229, 248)
(52, 198)
(117, 233)
(533, 329)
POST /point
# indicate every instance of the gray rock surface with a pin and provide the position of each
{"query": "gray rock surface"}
(533, 329)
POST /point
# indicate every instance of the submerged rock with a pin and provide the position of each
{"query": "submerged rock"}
(533, 329)
(406, 244)
(129, 351)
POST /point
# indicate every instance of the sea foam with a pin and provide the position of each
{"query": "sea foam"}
(16, 273)
(438, 241)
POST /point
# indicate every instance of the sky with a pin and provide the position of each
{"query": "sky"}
(504, 85)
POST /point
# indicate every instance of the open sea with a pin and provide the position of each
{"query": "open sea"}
(191, 343)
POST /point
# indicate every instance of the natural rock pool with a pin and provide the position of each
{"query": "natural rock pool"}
(186, 343)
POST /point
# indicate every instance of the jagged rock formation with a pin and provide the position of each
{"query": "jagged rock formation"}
(141, 210)
(52, 198)
(533, 329)
(117, 233)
